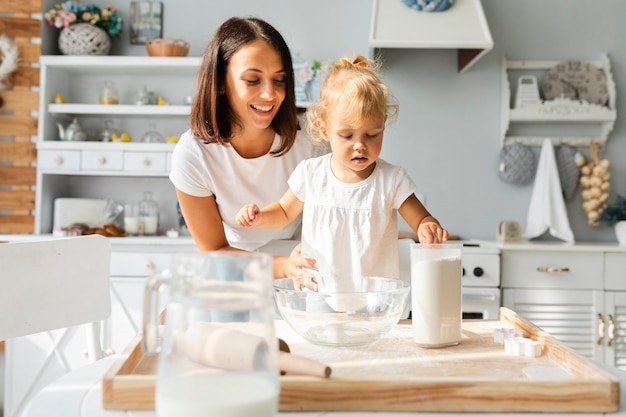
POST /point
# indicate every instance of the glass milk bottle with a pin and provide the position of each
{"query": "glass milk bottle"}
(148, 215)
(436, 297)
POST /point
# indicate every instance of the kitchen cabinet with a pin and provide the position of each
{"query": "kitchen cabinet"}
(576, 293)
(565, 121)
(110, 170)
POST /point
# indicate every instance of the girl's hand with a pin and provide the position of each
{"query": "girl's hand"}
(431, 232)
(301, 269)
(248, 215)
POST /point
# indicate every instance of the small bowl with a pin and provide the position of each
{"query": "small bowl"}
(343, 319)
(167, 47)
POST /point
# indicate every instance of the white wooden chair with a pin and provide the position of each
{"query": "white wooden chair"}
(47, 289)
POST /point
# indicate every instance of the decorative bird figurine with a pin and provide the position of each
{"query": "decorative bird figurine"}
(59, 99)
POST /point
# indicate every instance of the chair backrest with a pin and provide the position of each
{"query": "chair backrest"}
(50, 284)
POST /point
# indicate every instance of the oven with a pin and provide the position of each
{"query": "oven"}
(480, 277)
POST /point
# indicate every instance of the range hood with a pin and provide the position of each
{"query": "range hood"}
(462, 27)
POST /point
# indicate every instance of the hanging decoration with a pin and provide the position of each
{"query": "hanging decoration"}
(8, 60)
(429, 5)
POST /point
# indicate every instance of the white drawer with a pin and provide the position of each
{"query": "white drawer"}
(615, 271)
(552, 269)
(102, 161)
(57, 159)
(138, 264)
(145, 161)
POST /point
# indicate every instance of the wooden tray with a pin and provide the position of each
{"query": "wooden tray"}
(396, 375)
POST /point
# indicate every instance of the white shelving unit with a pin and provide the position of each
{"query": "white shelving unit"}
(563, 120)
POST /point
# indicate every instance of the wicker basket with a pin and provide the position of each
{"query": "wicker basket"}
(167, 47)
(84, 39)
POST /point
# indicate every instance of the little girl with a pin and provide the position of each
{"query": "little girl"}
(349, 198)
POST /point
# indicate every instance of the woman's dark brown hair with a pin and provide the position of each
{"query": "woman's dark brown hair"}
(212, 119)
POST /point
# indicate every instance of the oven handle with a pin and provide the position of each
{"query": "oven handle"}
(480, 297)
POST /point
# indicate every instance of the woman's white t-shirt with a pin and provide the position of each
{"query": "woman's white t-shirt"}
(203, 170)
(351, 229)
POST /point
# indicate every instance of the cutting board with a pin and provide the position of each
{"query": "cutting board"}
(396, 375)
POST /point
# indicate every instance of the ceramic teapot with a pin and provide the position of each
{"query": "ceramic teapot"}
(73, 131)
(218, 332)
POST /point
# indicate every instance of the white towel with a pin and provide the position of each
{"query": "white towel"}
(547, 206)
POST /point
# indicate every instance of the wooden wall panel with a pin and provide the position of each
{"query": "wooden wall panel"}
(18, 127)
(16, 224)
(17, 200)
(17, 175)
(20, 6)
(17, 152)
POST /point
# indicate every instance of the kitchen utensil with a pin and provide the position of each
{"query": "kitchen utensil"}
(218, 332)
(363, 316)
(152, 135)
(291, 364)
(167, 47)
(436, 294)
(145, 97)
(73, 131)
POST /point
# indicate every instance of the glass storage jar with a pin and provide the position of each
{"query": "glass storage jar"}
(152, 136)
(108, 93)
(148, 215)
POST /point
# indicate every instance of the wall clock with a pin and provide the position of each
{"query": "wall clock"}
(576, 80)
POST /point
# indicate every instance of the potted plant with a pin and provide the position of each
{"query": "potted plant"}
(85, 29)
(615, 214)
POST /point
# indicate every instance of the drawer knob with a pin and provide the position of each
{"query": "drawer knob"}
(552, 269)
(101, 160)
(149, 265)
(146, 162)
(58, 160)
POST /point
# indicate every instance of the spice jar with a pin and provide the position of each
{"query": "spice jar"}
(108, 93)
(148, 215)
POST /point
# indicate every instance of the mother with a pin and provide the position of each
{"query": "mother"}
(243, 141)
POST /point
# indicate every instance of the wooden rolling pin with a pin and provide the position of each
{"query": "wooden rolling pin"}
(226, 348)
(299, 365)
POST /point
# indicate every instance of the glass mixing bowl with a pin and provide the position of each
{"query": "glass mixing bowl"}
(346, 318)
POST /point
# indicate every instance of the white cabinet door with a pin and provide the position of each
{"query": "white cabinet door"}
(615, 329)
(571, 316)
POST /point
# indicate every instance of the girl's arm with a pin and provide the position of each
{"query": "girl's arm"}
(419, 219)
(205, 225)
(275, 215)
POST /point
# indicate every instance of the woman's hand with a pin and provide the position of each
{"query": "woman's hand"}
(248, 215)
(431, 232)
(301, 269)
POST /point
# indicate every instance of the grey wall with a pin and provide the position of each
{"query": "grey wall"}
(448, 131)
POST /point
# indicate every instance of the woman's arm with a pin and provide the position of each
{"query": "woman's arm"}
(422, 222)
(203, 220)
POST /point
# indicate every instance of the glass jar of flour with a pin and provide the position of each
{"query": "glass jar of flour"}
(436, 296)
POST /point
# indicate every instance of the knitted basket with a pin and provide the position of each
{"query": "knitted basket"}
(84, 39)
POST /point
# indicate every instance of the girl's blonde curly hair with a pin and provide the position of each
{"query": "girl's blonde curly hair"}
(354, 84)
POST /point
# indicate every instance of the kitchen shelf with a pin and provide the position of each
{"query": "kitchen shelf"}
(118, 109)
(561, 113)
